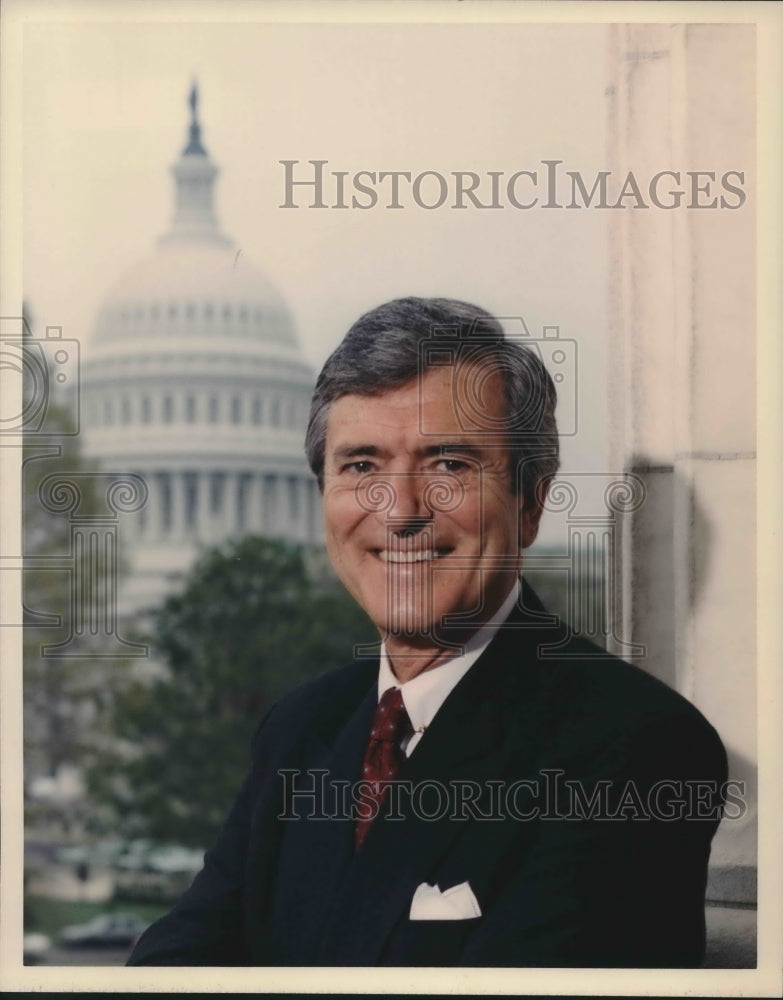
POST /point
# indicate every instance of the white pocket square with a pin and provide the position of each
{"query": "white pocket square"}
(456, 903)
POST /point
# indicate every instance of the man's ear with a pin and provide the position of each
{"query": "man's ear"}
(530, 514)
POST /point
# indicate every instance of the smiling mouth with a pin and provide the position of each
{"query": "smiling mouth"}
(411, 555)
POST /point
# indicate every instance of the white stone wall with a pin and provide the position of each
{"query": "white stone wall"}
(682, 385)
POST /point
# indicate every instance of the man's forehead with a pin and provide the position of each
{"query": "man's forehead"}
(448, 399)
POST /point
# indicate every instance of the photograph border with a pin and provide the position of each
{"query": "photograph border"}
(766, 979)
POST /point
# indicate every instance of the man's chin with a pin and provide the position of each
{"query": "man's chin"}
(420, 638)
(422, 635)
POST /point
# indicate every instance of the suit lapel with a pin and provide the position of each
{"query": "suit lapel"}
(472, 738)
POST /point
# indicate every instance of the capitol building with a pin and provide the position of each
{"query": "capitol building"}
(194, 381)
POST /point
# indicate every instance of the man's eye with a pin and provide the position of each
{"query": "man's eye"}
(359, 467)
(451, 465)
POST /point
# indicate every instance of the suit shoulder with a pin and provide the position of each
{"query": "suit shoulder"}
(334, 684)
(583, 678)
(318, 697)
(602, 678)
(586, 688)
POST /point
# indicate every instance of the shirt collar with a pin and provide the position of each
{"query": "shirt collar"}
(424, 694)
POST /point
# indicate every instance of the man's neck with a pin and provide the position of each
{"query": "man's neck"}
(408, 659)
(410, 656)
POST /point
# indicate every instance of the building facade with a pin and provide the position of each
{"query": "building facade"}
(682, 284)
(194, 381)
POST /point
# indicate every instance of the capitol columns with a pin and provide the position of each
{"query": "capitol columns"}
(177, 515)
(254, 501)
(303, 506)
(313, 511)
(155, 506)
(271, 525)
(296, 504)
(233, 501)
(203, 507)
(141, 522)
(302, 486)
(288, 484)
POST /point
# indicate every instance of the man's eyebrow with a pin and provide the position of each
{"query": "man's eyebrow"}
(348, 451)
(450, 448)
(355, 450)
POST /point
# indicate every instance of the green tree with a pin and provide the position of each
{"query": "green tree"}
(251, 622)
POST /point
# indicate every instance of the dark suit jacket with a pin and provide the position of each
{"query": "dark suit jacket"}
(595, 862)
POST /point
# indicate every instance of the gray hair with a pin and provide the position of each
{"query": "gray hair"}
(400, 340)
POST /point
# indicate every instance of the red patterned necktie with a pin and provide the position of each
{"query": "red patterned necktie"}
(383, 757)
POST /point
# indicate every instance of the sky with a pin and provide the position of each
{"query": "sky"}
(105, 116)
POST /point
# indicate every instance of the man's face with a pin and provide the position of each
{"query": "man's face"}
(421, 520)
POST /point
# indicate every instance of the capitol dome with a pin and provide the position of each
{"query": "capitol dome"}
(194, 381)
(196, 289)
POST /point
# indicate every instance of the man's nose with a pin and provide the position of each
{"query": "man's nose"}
(408, 511)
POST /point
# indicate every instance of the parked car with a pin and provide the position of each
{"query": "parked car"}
(144, 855)
(154, 873)
(35, 947)
(107, 930)
(99, 853)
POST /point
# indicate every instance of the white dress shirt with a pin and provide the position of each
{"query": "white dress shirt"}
(424, 694)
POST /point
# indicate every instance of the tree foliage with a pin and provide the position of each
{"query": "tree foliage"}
(59, 693)
(250, 623)
(52, 685)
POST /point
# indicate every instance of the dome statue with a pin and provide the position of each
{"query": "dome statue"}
(194, 380)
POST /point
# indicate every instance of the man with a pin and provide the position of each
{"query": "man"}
(492, 790)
